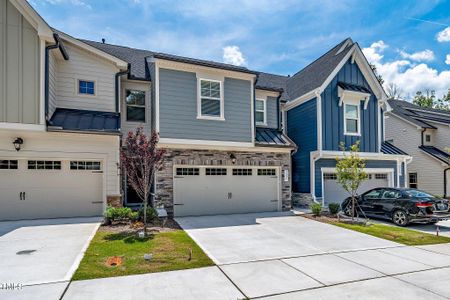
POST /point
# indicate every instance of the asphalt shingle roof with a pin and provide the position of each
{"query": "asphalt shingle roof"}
(309, 78)
(315, 74)
(420, 116)
(84, 120)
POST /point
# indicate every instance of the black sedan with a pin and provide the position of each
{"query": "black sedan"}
(401, 205)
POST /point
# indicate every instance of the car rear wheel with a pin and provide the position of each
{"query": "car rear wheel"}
(400, 218)
(348, 210)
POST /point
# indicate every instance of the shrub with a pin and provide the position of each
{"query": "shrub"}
(134, 216)
(316, 208)
(334, 208)
(118, 213)
(152, 215)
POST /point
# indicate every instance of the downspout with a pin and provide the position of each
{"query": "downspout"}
(116, 82)
(445, 181)
(56, 45)
(421, 138)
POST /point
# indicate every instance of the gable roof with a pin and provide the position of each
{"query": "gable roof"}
(315, 74)
(273, 82)
(419, 116)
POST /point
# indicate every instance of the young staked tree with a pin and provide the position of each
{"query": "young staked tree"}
(350, 172)
(140, 159)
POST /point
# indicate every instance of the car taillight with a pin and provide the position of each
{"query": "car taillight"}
(424, 204)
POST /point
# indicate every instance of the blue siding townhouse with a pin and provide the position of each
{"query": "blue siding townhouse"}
(335, 99)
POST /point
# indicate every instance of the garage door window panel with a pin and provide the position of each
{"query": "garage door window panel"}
(188, 171)
(8, 164)
(216, 171)
(267, 172)
(85, 165)
(242, 172)
(44, 165)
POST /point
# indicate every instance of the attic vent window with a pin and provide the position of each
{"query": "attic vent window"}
(86, 87)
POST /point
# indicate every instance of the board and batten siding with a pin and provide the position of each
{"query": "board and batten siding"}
(83, 65)
(331, 163)
(178, 109)
(131, 126)
(19, 67)
(333, 114)
(408, 138)
(302, 129)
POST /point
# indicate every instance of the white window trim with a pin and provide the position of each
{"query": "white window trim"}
(135, 105)
(358, 105)
(199, 101)
(84, 94)
(264, 123)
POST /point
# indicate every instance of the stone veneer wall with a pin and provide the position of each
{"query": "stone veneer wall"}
(164, 177)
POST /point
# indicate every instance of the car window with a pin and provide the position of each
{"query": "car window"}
(373, 194)
(391, 194)
(417, 194)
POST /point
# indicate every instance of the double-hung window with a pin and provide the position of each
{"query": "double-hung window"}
(210, 100)
(413, 182)
(260, 112)
(351, 119)
(86, 87)
(135, 102)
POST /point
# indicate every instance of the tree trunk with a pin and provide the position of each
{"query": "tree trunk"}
(145, 212)
(353, 209)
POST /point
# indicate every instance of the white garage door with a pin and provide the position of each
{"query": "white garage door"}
(224, 190)
(333, 191)
(33, 189)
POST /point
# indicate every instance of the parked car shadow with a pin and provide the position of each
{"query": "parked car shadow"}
(215, 221)
(9, 226)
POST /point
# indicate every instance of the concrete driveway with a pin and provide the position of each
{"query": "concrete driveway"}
(280, 256)
(39, 257)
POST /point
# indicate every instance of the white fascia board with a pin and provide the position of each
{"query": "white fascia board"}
(217, 145)
(364, 155)
(367, 170)
(302, 99)
(21, 126)
(43, 29)
(337, 69)
(118, 62)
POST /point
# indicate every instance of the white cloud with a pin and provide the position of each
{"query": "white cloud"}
(444, 35)
(373, 53)
(447, 59)
(425, 55)
(408, 76)
(233, 55)
(72, 2)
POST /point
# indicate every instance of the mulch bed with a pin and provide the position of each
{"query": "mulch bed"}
(327, 218)
(170, 225)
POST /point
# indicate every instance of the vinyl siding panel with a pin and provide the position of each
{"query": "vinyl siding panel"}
(333, 114)
(408, 138)
(331, 163)
(178, 109)
(83, 65)
(19, 67)
(272, 119)
(131, 126)
(302, 129)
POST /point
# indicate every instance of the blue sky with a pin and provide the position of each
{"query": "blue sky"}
(408, 41)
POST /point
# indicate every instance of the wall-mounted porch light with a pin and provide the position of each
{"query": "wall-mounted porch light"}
(233, 158)
(18, 143)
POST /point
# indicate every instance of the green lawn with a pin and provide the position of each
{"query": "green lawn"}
(171, 251)
(396, 234)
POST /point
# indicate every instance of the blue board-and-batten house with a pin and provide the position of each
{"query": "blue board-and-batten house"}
(335, 99)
